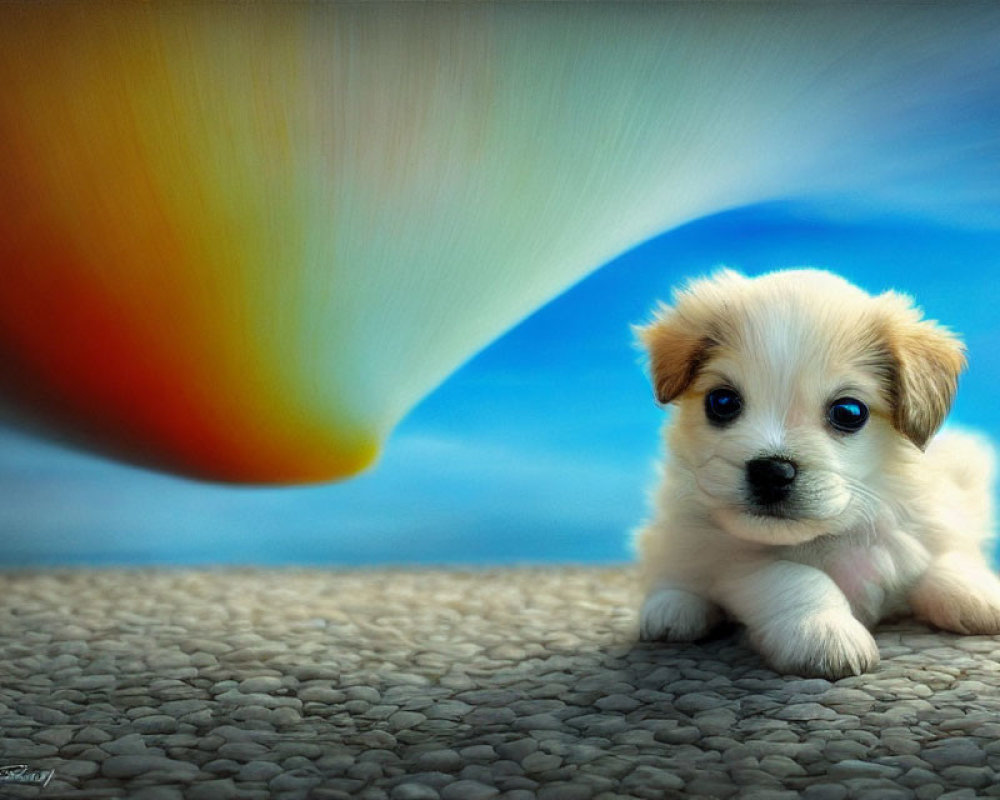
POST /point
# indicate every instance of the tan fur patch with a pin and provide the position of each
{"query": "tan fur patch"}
(676, 352)
(925, 360)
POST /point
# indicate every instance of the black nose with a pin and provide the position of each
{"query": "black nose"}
(770, 479)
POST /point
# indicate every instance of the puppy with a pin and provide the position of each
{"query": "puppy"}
(804, 494)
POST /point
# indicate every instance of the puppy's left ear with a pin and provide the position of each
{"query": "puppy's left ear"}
(925, 362)
(676, 350)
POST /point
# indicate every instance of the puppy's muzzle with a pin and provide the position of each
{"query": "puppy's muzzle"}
(770, 479)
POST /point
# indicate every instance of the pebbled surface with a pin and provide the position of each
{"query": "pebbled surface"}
(458, 685)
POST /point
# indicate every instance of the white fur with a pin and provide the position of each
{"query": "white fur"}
(881, 527)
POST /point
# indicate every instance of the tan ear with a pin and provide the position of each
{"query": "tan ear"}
(927, 360)
(676, 351)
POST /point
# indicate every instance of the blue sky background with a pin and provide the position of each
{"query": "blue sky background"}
(540, 449)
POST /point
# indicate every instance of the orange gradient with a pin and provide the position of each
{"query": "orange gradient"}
(134, 312)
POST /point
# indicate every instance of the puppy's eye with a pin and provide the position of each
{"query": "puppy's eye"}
(847, 414)
(723, 405)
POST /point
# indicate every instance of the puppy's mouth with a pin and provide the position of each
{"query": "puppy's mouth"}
(771, 524)
(783, 511)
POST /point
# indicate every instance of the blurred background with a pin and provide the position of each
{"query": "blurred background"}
(265, 242)
(542, 448)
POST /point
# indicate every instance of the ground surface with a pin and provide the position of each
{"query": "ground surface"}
(460, 686)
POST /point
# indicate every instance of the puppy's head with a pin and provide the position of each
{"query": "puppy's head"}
(795, 393)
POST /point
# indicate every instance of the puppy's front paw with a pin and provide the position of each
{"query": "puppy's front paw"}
(958, 596)
(967, 613)
(829, 644)
(675, 615)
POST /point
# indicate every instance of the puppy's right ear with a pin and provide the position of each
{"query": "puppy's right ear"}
(925, 360)
(676, 351)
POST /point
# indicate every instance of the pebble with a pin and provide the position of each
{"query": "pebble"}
(847, 701)
(805, 712)
(57, 737)
(129, 744)
(710, 786)
(825, 791)
(261, 683)
(441, 760)
(155, 723)
(489, 697)
(485, 717)
(468, 790)
(406, 719)
(90, 734)
(448, 709)
(953, 752)
(243, 751)
(716, 722)
(698, 701)
(974, 777)
(321, 694)
(157, 793)
(781, 766)
(901, 743)
(541, 721)
(93, 683)
(299, 780)
(517, 749)
(44, 714)
(367, 694)
(540, 762)
(478, 752)
(221, 789)
(257, 699)
(414, 791)
(850, 768)
(845, 749)
(132, 766)
(648, 776)
(181, 708)
(222, 766)
(565, 791)
(310, 750)
(259, 771)
(617, 702)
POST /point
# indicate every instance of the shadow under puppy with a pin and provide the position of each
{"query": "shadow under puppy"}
(804, 494)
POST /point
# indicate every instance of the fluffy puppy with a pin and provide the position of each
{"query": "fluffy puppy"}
(804, 494)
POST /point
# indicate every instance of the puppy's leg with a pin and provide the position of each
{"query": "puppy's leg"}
(676, 615)
(799, 620)
(958, 593)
